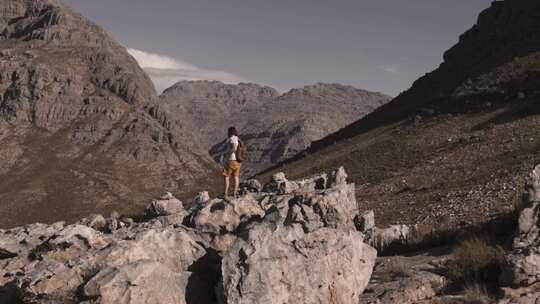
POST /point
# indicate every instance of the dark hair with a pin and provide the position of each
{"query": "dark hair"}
(232, 131)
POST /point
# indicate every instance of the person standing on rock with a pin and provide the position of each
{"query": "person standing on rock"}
(234, 156)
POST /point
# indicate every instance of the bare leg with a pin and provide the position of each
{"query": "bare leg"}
(226, 192)
(236, 185)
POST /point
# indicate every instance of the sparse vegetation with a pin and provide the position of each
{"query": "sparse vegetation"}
(475, 261)
(476, 294)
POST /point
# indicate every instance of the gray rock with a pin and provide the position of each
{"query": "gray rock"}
(381, 238)
(138, 283)
(219, 216)
(285, 236)
(175, 249)
(250, 186)
(51, 278)
(202, 198)
(337, 177)
(334, 208)
(366, 222)
(82, 237)
(408, 279)
(283, 264)
(280, 184)
(522, 266)
(165, 206)
(171, 220)
(94, 221)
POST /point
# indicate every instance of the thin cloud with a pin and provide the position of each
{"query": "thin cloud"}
(392, 69)
(165, 71)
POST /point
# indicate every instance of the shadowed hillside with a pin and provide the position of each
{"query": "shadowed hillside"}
(453, 148)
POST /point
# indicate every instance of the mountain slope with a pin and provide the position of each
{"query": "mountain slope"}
(80, 127)
(273, 127)
(453, 148)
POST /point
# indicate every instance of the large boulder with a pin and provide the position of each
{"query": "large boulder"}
(167, 205)
(175, 249)
(285, 264)
(522, 266)
(220, 216)
(49, 281)
(335, 207)
(138, 283)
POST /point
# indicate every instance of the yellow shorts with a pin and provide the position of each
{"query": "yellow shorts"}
(232, 168)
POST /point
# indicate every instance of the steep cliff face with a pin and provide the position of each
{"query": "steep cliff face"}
(272, 126)
(439, 151)
(79, 117)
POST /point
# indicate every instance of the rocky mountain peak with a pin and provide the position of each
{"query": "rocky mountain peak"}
(272, 126)
(330, 90)
(215, 90)
(36, 29)
(78, 115)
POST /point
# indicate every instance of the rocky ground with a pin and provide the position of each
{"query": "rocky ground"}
(274, 244)
(285, 242)
(273, 126)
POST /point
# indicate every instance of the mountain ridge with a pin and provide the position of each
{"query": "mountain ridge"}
(273, 126)
(468, 124)
(80, 125)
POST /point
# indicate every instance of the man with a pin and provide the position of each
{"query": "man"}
(232, 161)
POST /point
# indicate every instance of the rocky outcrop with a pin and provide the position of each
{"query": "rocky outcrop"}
(523, 264)
(273, 127)
(284, 264)
(263, 247)
(408, 279)
(80, 127)
(166, 205)
(139, 282)
(382, 238)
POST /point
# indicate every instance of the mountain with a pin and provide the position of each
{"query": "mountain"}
(81, 129)
(452, 149)
(272, 126)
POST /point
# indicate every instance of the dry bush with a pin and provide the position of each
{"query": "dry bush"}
(476, 294)
(475, 261)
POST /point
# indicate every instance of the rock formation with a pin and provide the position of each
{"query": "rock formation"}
(274, 127)
(80, 127)
(523, 264)
(284, 264)
(294, 246)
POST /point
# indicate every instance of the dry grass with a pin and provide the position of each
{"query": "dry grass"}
(475, 261)
(476, 294)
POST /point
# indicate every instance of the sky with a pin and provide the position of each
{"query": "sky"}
(377, 45)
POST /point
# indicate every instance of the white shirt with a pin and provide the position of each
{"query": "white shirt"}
(233, 142)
